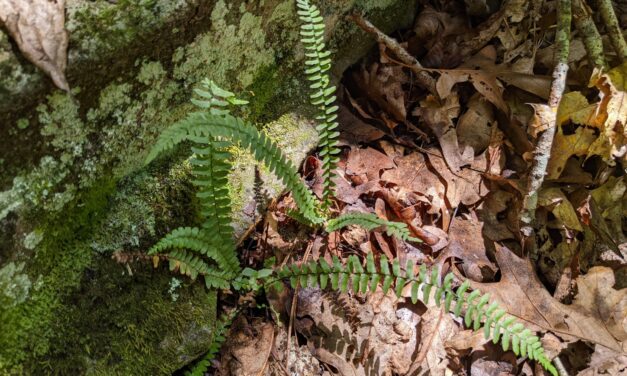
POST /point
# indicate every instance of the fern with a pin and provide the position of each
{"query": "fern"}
(218, 337)
(479, 312)
(370, 221)
(192, 265)
(318, 64)
(198, 126)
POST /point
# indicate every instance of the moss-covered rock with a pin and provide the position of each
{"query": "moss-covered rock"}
(74, 191)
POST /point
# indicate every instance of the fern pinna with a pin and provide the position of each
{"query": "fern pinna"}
(476, 309)
(317, 66)
(369, 222)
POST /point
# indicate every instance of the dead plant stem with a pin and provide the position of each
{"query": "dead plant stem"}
(613, 28)
(582, 18)
(542, 152)
(422, 77)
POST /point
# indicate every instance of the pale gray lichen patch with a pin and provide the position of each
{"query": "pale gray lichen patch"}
(14, 284)
(130, 217)
(227, 50)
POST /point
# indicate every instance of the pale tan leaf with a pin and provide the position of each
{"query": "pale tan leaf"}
(38, 27)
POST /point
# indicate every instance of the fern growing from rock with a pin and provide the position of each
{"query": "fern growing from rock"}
(210, 251)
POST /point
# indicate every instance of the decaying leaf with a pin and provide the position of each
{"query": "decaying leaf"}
(38, 28)
(439, 117)
(523, 295)
(598, 297)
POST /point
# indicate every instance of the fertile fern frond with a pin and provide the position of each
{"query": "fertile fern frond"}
(370, 221)
(479, 312)
(218, 337)
(318, 63)
(198, 126)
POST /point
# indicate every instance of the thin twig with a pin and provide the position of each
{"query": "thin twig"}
(613, 28)
(293, 311)
(422, 77)
(582, 18)
(542, 152)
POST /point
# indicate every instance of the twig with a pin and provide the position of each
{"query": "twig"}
(582, 17)
(561, 370)
(613, 28)
(293, 311)
(545, 140)
(424, 79)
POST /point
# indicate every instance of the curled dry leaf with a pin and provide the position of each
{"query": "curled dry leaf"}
(38, 28)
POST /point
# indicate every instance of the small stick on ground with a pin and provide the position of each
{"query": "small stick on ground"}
(424, 79)
(613, 28)
(542, 152)
(582, 18)
(293, 312)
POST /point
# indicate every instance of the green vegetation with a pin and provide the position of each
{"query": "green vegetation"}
(209, 250)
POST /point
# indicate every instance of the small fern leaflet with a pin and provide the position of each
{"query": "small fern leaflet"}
(370, 221)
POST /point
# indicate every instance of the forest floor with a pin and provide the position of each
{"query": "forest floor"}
(453, 164)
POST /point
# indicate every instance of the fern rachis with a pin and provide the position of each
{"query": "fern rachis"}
(477, 313)
(317, 66)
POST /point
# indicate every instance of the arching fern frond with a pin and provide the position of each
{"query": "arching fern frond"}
(198, 126)
(197, 240)
(477, 310)
(218, 336)
(370, 221)
(317, 65)
(192, 265)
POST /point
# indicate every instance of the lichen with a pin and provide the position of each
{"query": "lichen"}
(14, 285)
(227, 51)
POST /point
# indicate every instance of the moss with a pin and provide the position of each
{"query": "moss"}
(58, 264)
(128, 324)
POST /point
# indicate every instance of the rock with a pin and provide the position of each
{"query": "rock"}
(74, 190)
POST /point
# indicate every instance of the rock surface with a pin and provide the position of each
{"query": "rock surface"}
(74, 190)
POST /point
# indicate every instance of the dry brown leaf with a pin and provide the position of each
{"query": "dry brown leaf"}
(383, 85)
(353, 130)
(38, 28)
(439, 117)
(367, 164)
(598, 297)
(466, 186)
(606, 362)
(475, 126)
(522, 294)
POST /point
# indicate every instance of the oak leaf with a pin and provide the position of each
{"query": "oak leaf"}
(522, 294)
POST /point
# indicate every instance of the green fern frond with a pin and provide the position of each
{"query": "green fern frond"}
(218, 336)
(317, 66)
(370, 221)
(197, 240)
(192, 265)
(496, 323)
(198, 126)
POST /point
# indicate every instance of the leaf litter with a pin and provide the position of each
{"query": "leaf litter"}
(452, 164)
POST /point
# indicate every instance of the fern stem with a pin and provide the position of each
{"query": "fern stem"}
(477, 313)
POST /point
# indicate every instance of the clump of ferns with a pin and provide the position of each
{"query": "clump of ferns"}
(209, 250)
